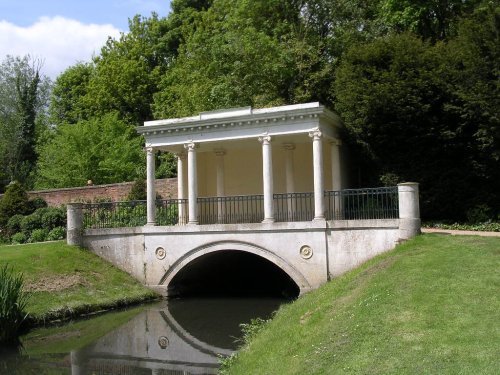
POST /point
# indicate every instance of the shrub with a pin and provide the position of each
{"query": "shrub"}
(138, 191)
(31, 222)
(36, 203)
(39, 235)
(14, 224)
(52, 217)
(479, 214)
(14, 201)
(58, 233)
(13, 301)
(18, 238)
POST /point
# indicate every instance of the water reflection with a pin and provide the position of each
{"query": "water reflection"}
(184, 336)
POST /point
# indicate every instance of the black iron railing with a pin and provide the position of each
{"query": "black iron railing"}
(133, 213)
(349, 204)
(293, 207)
(231, 210)
(362, 204)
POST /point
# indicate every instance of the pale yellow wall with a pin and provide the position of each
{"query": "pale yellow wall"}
(243, 169)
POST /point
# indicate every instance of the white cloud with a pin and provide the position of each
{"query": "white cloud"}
(60, 42)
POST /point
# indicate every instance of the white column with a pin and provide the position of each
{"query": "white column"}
(181, 186)
(150, 186)
(335, 202)
(290, 178)
(219, 155)
(319, 198)
(335, 158)
(192, 183)
(289, 171)
(267, 174)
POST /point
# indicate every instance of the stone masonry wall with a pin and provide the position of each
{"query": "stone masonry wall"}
(167, 188)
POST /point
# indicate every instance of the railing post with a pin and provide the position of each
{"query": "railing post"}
(74, 230)
(409, 210)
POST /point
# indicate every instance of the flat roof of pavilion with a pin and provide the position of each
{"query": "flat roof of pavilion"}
(240, 123)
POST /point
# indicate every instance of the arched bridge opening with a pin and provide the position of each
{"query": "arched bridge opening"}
(232, 273)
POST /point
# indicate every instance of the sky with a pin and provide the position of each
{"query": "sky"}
(63, 32)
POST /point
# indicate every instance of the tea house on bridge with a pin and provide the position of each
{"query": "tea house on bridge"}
(263, 182)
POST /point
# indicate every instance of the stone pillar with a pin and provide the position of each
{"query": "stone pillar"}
(336, 201)
(336, 168)
(74, 235)
(221, 208)
(267, 174)
(409, 210)
(290, 179)
(319, 186)
(181, 187)
(150, 186)
(192, 183)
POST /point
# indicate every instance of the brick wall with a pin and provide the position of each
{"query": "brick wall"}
(167, 188)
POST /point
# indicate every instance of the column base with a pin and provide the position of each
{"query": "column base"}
(267, 221)
(319, 218)
(193, 222)
(151, 224)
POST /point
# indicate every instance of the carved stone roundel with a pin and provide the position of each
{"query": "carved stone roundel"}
(163, 342)
(306, 252)
(160, 253)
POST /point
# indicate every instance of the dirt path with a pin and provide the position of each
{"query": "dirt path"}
(461, 232)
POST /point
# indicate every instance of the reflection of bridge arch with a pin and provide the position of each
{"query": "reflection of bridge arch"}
(190, 339)
(246, 247)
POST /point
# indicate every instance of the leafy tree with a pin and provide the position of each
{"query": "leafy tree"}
(473, 72)
(104, 150)
(427, 113)
(431, 19)
(23, 98)
(71, 86)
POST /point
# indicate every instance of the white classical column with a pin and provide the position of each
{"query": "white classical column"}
(335, 158)
(192, 183)
(267, 174)
(319, 189)
(150, 186)
(221, 208)
(181, 186)
(290, 178)
(335, 202)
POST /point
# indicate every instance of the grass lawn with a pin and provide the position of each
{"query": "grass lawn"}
(67, 281)
(431, 306)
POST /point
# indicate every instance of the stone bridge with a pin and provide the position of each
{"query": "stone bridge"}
(306, 254)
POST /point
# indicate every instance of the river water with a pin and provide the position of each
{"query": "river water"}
(183, 336)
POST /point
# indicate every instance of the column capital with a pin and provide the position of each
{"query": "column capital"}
(219, 152)
(149, 149)
(181, 155)
(316, 134)
(190, 146)
(289, 146)
(265, 139)
(336, 142)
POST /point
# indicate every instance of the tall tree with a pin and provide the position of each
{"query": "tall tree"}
(23, 99)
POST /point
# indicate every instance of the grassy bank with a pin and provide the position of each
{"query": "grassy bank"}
(66, 281)
(432, 306)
